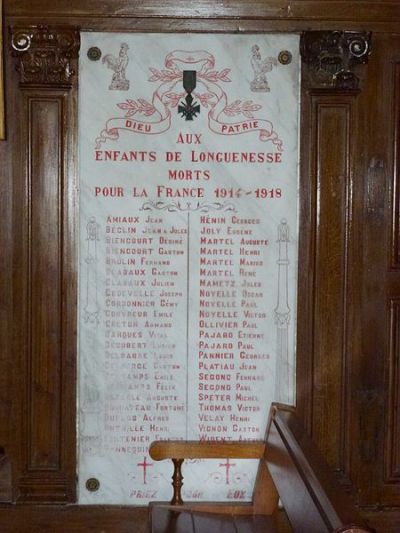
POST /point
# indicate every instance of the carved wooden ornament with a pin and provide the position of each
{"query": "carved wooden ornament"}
(333, 56)
(46, 55)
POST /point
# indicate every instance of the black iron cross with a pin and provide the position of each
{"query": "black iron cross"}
(187, 109)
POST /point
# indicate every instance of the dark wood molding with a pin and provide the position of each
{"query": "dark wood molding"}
(44, 261)
(395, 244)
(375, 284)
(339, 11)
(333, 57)
(392, 444)
(46, 56)
(47, 297)
(333, 121)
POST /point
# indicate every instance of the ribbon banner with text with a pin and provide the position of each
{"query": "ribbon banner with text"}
(188, 254)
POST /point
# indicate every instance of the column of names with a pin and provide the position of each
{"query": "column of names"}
(231, 326)
(141, 302)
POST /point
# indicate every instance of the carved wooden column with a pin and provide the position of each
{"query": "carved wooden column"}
(331, 82)
(44, 262)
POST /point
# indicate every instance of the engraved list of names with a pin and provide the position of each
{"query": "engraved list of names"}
(188, 254)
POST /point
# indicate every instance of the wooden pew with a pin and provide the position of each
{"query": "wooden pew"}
(291, 469)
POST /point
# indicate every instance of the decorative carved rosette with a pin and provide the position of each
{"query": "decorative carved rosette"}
(46, 56)
(333, 57)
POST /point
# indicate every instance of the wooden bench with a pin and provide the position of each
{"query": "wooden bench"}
(291, 469)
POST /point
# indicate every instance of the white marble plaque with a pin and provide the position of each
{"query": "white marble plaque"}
(188, 254)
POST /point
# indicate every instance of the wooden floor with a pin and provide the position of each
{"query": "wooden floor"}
(96, 519)
(73, 519)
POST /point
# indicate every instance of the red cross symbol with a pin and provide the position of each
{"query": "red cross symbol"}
(227, 466)
(145, 466)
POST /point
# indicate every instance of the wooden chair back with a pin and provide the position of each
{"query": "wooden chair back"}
(291, 468)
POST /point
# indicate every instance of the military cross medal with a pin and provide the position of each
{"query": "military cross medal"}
(187, 109)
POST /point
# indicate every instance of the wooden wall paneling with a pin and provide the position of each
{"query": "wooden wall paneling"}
(392, 382)
(45, 259)
(392, 462)
(372, 409)
(325, 279)
(304, 337)
(343, 134)
(395, 238)
(207, 15)
(336, 13)
(327, 286)
(359, 432)
(43, 294)
(167, 24)
(332, 133)
(392, 459)
(44, 264)
(7, 364)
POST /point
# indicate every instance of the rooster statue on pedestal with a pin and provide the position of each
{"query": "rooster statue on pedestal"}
(118, 65)
(260, 68)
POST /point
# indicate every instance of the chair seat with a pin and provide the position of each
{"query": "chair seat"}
(169, 521)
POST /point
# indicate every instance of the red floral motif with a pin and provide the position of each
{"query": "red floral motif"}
(214, 75)
(173, 99)
(205, 98)
(241, 108)
(131, 107)
(169, 94)
(165, 75)
(171, 75)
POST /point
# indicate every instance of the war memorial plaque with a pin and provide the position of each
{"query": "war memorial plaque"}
(188, 254)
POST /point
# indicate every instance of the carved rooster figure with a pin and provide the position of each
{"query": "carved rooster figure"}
(260, 68)
(118, 65)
